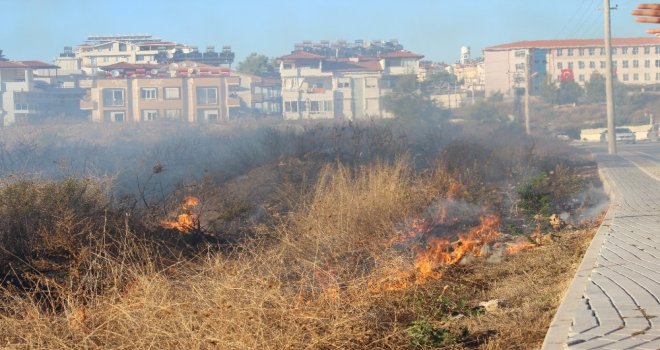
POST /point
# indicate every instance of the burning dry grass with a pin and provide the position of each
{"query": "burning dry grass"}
(315, 281)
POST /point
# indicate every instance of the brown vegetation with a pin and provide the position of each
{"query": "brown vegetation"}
(306, 252)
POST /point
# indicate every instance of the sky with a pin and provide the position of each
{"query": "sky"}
(39, 29)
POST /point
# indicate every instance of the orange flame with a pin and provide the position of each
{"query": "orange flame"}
(514, 248)
(442, 252)
(186, 221)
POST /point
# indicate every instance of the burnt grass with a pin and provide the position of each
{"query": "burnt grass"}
(297, 217)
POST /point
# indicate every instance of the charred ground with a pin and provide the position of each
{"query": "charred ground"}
(268, 235)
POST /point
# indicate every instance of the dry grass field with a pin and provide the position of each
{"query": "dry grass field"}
(302, 250)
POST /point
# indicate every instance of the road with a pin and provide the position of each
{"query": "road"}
(613, 301)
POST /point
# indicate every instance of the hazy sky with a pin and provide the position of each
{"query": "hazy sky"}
(39, 29)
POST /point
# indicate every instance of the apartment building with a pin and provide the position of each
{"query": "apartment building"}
(316, 86)
(185, 91)
(27, 97)
(99, 51)
(636, 61)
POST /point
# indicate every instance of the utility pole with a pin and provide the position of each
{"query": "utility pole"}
(609, 86)
(528, 79)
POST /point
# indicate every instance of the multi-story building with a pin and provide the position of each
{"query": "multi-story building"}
(320, 87)
(26, 97)
(186, 91)
(100, 51)
(636, 61)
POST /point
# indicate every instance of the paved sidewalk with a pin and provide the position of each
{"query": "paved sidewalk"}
(614, 299)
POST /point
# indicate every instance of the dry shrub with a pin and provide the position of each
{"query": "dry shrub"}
(308, 288)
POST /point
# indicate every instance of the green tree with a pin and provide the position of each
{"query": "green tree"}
(438, 82)
(408, 101)
(569, 92)
(595, 88)
(548, 91)
(257, 64)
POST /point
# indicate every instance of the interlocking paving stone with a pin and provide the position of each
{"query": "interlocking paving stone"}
(614, 302)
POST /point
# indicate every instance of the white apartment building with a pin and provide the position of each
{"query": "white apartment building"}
(636, 62)
(321, 87)
(25, 97)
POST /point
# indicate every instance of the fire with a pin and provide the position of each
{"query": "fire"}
(441, 251)
(187, 221)
(514, 248)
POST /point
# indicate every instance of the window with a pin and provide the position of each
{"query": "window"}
(371, 83)
(520, 67)
(314, 106)
(113, 117)
(327, 106)
(624, 50)
(148, 93)
(208, 115)
(520, 53)
(625, 77)
(581, 52)
(173, 114)
(207, 96)
(614, 51)
(647, 76)
(635, 63)
(122, 47)
(625, 63)
(172, 93)
(139, 58)
(570, 65)
(149, 114)
(581, 64)
(581, 77)
(113, 97)
(560, 65)
(592, 51)
(647, 63)
(104, 59)
(635, 50)
(657, 76)
(657, 50)
(635, 77)
(657, 63)
(342, 85)
(570, 52)
(592, 64)
(602, 65)
(602, 51)
(560, 52)
(647, 50)
(291, 106)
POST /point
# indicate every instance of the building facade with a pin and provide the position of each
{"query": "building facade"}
(28, 97)
(100, 51)
(321, 87)
(636, 61)
(132, 93)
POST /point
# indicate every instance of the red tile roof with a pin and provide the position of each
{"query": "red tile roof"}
(129, 66)
(27, 64)
(348, 66)
(559, 43)
(400, 54)
(301, 55)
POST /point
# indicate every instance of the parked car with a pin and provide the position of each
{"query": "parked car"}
(654, 133)
(620, 135)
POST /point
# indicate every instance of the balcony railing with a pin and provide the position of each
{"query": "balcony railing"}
(233, 102)
(88, 105)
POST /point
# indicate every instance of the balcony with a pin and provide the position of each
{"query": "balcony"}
(87, 105)
(86, 83)
(233, 102)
